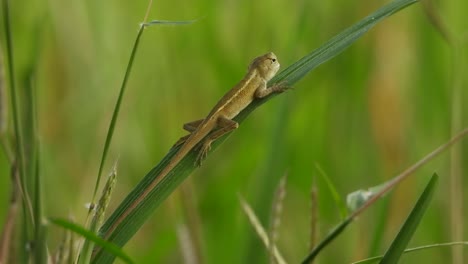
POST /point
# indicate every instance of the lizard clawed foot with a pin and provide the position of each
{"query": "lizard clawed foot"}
(203, 152)
(281, 87)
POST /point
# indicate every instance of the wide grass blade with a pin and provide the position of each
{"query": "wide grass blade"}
(119, 229)
(339, 43)
(109, 247)
(401, 241)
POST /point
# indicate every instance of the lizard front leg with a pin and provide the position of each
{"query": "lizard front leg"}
(224, 125)
(263, 91)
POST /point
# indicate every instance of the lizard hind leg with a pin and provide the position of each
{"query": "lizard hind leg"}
(225, 125)
(190, 127)
(181, 140)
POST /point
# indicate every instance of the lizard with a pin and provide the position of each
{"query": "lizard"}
(218, 122)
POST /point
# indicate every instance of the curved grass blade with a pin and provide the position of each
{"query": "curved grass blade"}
(108, 246)
(339, 43)
(329, 238)
(389, 185)
(341, 227)
(409, 250)
(115, 114)
(128, 226)
(334, 193)
(401, 241)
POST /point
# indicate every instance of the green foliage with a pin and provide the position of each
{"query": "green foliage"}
(363, 116)
(123, 224)
(401, 241)
(113, 249)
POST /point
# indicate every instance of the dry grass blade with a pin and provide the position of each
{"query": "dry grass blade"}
(260, 230)
(387, 188)
(313, 215)
(63, 251)
(105, 196)
(405, 174)
(276, 210)
(189, 253)
(192, 220)
(98, 217)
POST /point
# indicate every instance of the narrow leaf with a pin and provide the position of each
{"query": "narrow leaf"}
(109, 247)
(169, 22)
(328, 239)
(401, 241)
(332, 189)
(115, 114)
(269, 244)
(339, 43)
(450, 244)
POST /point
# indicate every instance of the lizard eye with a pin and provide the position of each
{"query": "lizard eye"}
(273, 60)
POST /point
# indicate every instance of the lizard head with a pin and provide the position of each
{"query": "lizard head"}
(266, 65)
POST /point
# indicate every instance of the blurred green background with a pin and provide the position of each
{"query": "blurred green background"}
(363, 117)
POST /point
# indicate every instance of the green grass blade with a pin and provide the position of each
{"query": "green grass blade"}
(40, 246)
(401, 241)
(450, 244)
(19, 155)
(334, 193)
(328, 239)
(3, 109)
(40, 229)
(128, 226)
(115, 114)
(169, 22)
(12, 83)
(341, 227)
(109, 247)
(339, 43)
